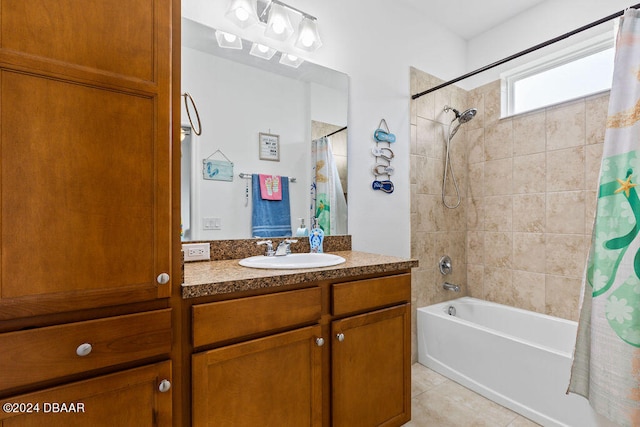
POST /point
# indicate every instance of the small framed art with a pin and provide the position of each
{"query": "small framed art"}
(269, 147)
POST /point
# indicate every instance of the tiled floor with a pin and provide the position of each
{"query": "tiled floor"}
(436, 401)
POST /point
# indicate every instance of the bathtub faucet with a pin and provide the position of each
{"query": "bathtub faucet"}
(451, 287)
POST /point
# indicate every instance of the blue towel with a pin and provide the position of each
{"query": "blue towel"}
(270, 218)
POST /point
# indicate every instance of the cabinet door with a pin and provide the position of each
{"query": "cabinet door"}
(371, 368)
(127, 398)
(273, 381)
(85, 150)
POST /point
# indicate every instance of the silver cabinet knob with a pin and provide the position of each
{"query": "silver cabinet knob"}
(320, 342)
(164, 386)
(163, 278)
(84, 349)
(340, 337)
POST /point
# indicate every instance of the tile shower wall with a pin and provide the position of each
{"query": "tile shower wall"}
(436, 230)
(522, 232)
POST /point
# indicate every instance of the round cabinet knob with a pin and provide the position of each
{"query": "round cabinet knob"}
(319, 342)
(164, 386)
(340, 337)
(84, 349)
(163, 278)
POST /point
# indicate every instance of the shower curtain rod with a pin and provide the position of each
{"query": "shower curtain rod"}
(334, 132)
(526, 51)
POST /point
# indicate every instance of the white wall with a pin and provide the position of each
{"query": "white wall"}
(534, 26)
(375, 43)
(231, 119)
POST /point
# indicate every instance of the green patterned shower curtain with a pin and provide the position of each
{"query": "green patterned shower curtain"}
(606, 365)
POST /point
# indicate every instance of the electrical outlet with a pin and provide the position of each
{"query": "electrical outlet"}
(196, 252)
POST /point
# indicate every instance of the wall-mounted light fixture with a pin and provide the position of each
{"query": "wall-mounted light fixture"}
(290, 60)
(276, 16)
(242, 13)
(262, 51)
(228, 40)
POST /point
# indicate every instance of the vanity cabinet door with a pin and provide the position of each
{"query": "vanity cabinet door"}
(273, 381)
(371, 368)
(136, 397)
(85, 165)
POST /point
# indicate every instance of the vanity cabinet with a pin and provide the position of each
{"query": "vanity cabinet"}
(85, 171)
(334, 354)
(134, 397)
(88, 241)
(371, 352)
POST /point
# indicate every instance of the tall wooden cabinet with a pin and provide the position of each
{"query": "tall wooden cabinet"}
(87, 195)
(85, 139)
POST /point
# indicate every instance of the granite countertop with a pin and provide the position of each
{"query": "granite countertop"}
(227, 276)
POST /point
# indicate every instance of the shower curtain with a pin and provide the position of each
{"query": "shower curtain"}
(606, 365)
(328, 203)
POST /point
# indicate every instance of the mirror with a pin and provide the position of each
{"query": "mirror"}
(239, 97)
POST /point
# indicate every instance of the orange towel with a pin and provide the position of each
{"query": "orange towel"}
(270, 188)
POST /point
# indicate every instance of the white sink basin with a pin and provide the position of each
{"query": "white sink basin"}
(292, 261)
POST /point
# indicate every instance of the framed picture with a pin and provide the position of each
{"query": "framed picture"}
(269, 147)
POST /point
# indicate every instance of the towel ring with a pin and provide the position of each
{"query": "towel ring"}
(186, 106)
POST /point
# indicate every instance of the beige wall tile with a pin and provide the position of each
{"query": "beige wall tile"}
(590, 204)
(529, 290)
(499, 249)
(428, 175)
(565, 212)
(529, 173)
(529, 252)
(596, 118)
(498, 285)
(475, 280)
(492, 102)
(476, 180)
(475, 247)
(566, 125)
(498, 213)
(566, 254)
(430, 215)
(498, 179)
(475, 213)
(423, 248)
(414, 139)
(425, 106)
(529, 134)
(414, 205)
(593, 160)
(562, 295)
(565, 169)
(425, 136)
(498, 140)
(475, 139)
(529, 212)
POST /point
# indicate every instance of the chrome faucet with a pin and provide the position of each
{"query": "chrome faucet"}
(269, 251)
(451, 287)
(284, 248)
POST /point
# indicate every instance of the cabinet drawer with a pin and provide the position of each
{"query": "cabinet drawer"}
(42, 354)
(367, 294)
(226, 320)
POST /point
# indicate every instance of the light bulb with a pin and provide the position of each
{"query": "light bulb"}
(278, 27)
(292, 58)
(242, 14)
(230, 37)
(307, 40)
(262, 48)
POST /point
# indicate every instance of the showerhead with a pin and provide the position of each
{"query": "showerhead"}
(462, 118)
(465, 116)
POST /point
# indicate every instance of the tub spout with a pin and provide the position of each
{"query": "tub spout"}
(451, 287)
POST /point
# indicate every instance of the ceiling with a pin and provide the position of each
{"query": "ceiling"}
(470, 18)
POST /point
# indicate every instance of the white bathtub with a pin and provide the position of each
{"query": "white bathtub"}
(517, 358)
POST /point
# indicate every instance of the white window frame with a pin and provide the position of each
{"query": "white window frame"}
(578, 51)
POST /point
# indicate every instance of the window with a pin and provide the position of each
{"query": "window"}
(578, 71)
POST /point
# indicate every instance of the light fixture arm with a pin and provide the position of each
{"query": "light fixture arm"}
(263, 14)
